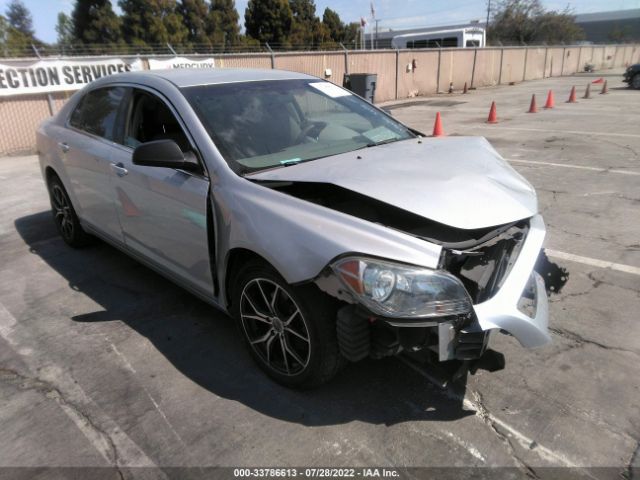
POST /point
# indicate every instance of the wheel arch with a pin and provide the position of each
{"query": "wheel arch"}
(49, 173)
(236, 257)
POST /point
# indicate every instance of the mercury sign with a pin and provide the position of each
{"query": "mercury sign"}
(58, 75)
(180, 62)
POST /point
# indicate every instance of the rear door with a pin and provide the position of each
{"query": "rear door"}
(163, 211)
(87, 149)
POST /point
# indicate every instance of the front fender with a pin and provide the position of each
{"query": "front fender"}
(299, 238)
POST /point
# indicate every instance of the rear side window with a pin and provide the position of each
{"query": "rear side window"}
(97, 111)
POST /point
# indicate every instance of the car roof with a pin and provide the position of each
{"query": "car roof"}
(210, 76)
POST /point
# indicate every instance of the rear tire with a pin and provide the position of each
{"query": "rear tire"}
(290, 331)
(64, 215)
(635, 81)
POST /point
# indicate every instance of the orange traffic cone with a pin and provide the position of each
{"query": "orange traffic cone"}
(550, 101)
(437, 126)
(604, 88)
(572, 96)
(493, 116)
(465, 89)
(533, 108)
(587, 92)
(600, 80)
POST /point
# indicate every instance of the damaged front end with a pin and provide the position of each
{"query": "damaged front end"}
(491, 287)
(476, 212)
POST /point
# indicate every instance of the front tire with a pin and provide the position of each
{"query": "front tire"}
(635, 81)
(64, 215)
(290, 331)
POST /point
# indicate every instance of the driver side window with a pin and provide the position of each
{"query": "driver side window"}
(151, 119)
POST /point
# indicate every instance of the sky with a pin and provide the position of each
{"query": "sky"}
(394, 14)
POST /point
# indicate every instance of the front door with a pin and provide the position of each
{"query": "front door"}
(163, 211)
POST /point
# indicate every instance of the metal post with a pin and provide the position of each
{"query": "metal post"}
(544, 69)
(52, 105)
(501, 59)
(486, 25)
(273, 56)
(397, 70)
(564, 52)
(579, 58)
(438, 79)
(171, 49)
(524, 70)
(346, 59)
(473, 70)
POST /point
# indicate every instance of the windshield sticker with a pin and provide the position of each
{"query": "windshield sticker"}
(291, 160)
(330, 89)
(379, 134)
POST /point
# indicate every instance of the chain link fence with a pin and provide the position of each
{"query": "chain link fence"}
(401, 73)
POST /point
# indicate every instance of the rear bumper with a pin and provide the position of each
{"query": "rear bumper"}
(502, 312)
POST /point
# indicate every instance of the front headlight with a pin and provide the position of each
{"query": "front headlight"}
(394, 290)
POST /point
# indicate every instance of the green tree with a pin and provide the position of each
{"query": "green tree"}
(20, 19)
(18, 30)
(351, 33)
(526, 22)
(64, 29)
(268, 21)
(223, 21)
(4, 33)
(4, 30)
(558, 27)
(148, 22)
(336, 28)
(94, 21)
(195, 19)
(305, 27)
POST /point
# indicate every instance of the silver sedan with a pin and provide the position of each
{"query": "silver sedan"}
(328, 230)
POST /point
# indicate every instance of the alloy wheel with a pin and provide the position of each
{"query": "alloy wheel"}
(62, 211)
(275, 327)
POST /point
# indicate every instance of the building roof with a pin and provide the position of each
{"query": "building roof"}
(608, 16)
(390, 33)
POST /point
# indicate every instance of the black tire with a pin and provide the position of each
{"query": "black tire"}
(252, 294)
(635, 81)
(64, 215)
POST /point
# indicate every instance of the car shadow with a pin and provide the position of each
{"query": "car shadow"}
(202, 343)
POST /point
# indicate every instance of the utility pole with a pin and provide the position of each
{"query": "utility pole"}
(486, 25)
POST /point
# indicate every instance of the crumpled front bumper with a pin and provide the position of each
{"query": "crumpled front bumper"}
(501, 311)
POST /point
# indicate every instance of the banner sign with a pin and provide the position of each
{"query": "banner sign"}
(46, 76)
(180, 62)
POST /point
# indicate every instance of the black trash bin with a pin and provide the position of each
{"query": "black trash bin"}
(363, 84)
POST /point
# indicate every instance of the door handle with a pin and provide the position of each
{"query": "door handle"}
(119, 169)
(64, 147)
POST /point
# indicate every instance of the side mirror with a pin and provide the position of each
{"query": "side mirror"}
(164, 153)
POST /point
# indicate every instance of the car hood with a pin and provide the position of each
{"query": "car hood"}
(458, 181)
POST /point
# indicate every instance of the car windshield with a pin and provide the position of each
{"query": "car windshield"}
(260, 125)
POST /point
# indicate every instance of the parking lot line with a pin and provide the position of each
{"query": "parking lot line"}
(594, 262)
(105, 436)
(579, 167)
(556, 131)
(482, 413)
